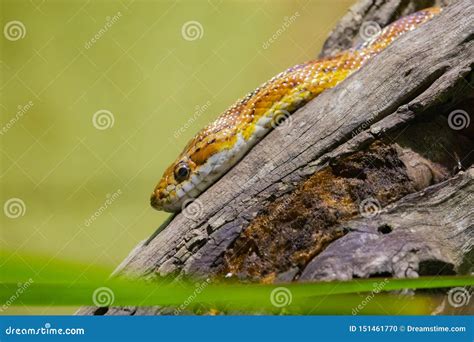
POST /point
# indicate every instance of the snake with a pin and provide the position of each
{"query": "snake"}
(222, 144)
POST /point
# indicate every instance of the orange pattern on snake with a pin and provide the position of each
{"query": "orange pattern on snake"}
(221, 144)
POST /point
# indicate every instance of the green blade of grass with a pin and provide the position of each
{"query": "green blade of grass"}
(330, 296)
(252, 298)
(28, 280)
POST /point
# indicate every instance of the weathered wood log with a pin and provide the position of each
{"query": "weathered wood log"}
(426, 233)
(361, 181)
(381, 12)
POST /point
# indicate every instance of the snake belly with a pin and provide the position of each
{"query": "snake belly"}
(222, 143)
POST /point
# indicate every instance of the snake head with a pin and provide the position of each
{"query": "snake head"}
(175, 186)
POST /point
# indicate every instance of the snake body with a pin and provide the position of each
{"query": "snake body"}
(221, 144)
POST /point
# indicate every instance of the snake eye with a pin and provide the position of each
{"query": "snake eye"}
(181, 172)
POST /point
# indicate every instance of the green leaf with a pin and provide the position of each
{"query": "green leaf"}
(59, 283)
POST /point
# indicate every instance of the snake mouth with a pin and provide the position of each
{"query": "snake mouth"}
(171, 198)
(155, 201)
(167, 204)
(161, 200)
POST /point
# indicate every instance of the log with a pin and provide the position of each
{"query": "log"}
(373, 177)
(346, 33)
(426, 233)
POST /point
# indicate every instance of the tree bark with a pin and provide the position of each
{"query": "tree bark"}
(346, 33)
(371, 178)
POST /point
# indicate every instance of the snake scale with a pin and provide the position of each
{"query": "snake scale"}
(222, 143)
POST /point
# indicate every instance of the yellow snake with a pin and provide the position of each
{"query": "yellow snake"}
(221, 144)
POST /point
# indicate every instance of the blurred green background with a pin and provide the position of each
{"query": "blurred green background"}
(159, 71)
